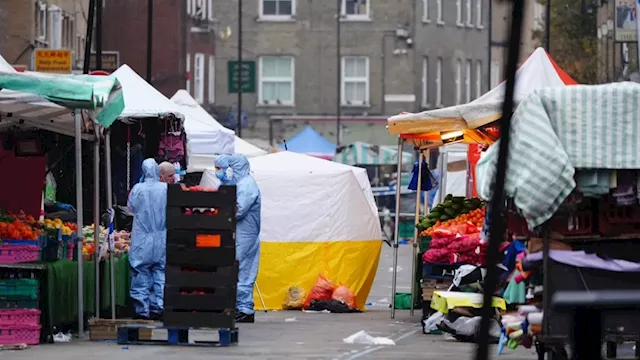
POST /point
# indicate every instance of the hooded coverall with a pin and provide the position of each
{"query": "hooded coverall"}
(248, 226)
(147, 255)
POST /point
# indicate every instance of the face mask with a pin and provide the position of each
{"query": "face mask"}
(221, 174)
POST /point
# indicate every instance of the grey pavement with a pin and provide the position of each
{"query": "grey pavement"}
(299, 335)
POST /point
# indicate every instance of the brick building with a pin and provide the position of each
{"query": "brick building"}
(183, 43)
(26, 25)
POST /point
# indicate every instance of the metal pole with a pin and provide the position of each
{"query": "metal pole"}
(89, 37)
(79, 209)
(240, 83)
(338, 75)
(547, 27)
(98, 34)
(96, 216)
(108, 180)
(397, 230)
(416, 235)
(638, 32)
(149, 40)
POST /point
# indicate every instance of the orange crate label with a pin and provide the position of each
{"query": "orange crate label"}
(208, 241)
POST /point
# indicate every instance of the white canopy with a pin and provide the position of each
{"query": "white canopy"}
(538, 71)
(206, 137)
(140, 98)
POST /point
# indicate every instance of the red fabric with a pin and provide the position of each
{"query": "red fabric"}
(473, 156)
(566, 79)
(26, 174)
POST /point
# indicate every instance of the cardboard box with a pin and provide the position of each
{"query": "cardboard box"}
(107, 329)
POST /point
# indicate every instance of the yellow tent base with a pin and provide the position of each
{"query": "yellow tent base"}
(287, 264)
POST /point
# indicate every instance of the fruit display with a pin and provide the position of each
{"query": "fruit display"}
(451, 208)
(25, 227)
(122, 240)
(474, 217)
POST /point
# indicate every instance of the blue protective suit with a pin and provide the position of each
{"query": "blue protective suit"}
(147, 254)
(247, 229)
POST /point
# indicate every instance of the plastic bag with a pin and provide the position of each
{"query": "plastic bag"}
(343, 294)
(322, 290)
(441, 243)
(431, 324)
(437, 256)
(465, 243)
(294, 299)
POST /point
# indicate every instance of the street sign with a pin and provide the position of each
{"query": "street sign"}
(247, 77)
(110, 61)
(53, 61)
(99, 73)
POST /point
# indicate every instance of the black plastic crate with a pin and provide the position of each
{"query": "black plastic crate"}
(222, 276)
(194, 319)
(225, 197)
(202, 239)
(180, 255)
(223, 200)
(438, 271)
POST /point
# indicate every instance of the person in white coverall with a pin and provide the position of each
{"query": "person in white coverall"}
(147, 254)
(247, 229)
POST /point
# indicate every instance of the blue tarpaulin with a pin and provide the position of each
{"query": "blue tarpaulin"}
(310, 142)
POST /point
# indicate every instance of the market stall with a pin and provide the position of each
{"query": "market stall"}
(335, 231)
(573, 182)
(471, 124)
(96, 98)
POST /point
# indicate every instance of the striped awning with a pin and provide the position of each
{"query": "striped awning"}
(360, 153)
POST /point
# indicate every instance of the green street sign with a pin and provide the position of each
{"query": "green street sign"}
(247, 78)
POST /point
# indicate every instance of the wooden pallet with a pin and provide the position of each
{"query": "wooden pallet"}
(106, 329)
(131, 335)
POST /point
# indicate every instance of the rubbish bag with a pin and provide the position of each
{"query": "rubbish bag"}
(431, 324)
(322, 290)
(294, 299)
(343, 294)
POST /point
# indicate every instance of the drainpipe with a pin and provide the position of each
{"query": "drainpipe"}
(489, 58)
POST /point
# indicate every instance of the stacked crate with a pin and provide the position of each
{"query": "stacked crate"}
(201, 271)
(19, 314)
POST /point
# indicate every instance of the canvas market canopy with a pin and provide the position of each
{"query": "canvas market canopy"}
(538, 71)
(206, 137)
(317, 217)
(310, 142)
(360, 153)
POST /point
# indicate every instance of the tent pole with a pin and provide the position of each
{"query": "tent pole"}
(416, 235)
(107, 174)
(96, 215)
(79, 220)
(396, 230)
(427, 157)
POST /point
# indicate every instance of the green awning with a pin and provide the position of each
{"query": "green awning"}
(100, 93)
(360, 153)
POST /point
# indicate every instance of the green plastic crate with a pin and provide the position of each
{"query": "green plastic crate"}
(18, 304)
(19, 289)
(424, 242)
(406, 230)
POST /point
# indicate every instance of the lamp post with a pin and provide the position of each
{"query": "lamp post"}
(547, 27)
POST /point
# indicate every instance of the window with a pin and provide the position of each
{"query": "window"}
(188, 74)
(277, 9)
(355, 80)
(198, 78)
(468, 15)
(458, 82)
(439, 83)
(210, 16)
(425, 10)
(355, 9)
(459, 13)
(467, 82)
(479, 14)
(211, 91)
(42, 29)
(276, 82)
(440, 17)
(496, 73)
(425, 81)
(56, 28)
(478, 78)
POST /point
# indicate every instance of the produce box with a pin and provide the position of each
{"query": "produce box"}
(106, 329)
(19, 289)
(180, 204)
(429, 286)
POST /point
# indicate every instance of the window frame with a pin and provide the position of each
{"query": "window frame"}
(199, 77)
(425, 11)
(495, 73)
(210, 15)
(440, 15)
(211, 80)
(276, 17)
(479, 14)
(478, 78)
(43, 15)
(459, 18)
(292, 80)
(355, 17)
(55, 27)
(439, 82)
(468, 13)
(425, 82)
(344, 80)
(467, 81)
(458, 82)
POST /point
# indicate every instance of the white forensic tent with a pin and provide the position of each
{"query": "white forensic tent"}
(538, 71)
(206, 137)
(318, 217)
